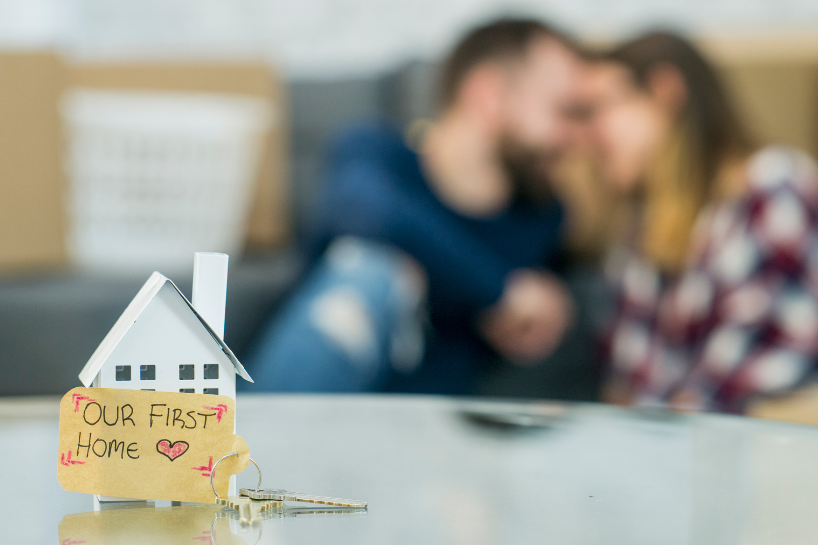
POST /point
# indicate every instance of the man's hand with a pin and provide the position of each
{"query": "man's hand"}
(530, 319)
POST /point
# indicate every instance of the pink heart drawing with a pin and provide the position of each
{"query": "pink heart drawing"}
(170, 449)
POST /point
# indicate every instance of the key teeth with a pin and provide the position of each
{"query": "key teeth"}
(249, 510)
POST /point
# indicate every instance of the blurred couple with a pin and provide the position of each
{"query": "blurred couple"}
(436, 251)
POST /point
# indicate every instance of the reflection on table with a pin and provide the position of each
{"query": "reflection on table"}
(143, 522)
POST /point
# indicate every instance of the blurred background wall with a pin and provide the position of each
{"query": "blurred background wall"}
(317, 38)
(345, 59)
(318, 64)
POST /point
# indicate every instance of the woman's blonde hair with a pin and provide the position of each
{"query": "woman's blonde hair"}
(706, 142)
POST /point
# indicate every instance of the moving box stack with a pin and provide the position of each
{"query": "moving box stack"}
(40, 152)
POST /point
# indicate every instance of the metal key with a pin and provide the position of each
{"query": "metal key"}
(283, 495)
(250, 511)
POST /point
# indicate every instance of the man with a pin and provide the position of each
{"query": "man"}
(463, 223)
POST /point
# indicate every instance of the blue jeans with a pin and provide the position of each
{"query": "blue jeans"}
(354, 323)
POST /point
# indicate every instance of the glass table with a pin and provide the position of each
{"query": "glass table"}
(444, 470)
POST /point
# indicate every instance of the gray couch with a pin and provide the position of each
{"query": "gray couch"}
(51, 323)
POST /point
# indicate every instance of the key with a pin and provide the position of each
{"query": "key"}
(283, 495)
(250, 511)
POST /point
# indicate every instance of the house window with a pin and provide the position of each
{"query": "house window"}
(214, 391)
(211, 371)
(185, 372)
(147, 372)
(186, 390)
(123, 372)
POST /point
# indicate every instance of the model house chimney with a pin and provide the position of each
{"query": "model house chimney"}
(210, 288)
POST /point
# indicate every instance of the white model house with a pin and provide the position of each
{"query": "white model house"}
(163, 342)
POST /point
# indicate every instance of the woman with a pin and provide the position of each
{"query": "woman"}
(717, 273)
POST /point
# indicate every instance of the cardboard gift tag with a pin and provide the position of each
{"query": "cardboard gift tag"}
(148, 445)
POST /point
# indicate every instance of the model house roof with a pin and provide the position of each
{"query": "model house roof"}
(151, 288)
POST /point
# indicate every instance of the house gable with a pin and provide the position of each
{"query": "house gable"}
(160, 327)
(167, 335)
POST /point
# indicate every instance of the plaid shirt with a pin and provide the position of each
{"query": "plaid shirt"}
(741, 320)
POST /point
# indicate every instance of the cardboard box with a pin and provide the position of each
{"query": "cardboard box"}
(774, 81)
(32, 210)
(31, 206)
(269, 222)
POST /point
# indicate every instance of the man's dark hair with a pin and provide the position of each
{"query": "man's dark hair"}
(504, 39)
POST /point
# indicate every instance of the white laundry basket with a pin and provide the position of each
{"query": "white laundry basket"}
(154, 177)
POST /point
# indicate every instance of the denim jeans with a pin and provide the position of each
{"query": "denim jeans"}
(354, 323)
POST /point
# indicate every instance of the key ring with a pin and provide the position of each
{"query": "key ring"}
(213, 472)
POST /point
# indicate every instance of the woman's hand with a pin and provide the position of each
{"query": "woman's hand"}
(687, 400)
(618, 392)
